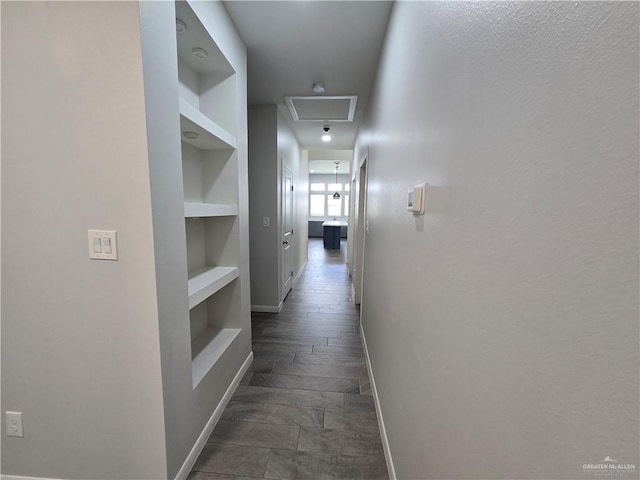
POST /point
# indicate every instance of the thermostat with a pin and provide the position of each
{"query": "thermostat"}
(416, 199)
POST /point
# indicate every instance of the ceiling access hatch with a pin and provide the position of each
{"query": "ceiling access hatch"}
(322, 109)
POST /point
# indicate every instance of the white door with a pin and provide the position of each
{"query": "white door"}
(287, 231)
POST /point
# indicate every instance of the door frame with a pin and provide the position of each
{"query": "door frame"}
(361, 229)
(287, 252)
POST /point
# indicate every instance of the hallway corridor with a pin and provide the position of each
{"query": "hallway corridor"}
(304, 409)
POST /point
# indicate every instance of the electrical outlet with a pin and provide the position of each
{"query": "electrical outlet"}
(14, 424)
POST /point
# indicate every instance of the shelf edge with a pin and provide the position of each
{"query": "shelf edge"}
(209, 281)
(208, 126)
(197, 210)
(209, 355)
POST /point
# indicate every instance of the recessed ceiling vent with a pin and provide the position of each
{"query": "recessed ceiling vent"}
(322, 109)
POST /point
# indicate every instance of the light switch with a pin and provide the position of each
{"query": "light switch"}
(97, 245)
(103, 245)
(106, 244)
(265, 221)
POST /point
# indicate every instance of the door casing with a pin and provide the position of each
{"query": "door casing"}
(361, 230)
(287, 230)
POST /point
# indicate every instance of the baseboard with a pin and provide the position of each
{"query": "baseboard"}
(376, 401)
(206, 432)
(19, 477)
(266, 308)
(299, 274)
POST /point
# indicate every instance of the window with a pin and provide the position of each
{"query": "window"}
(321, 201)
(334, 205)
(316, 205)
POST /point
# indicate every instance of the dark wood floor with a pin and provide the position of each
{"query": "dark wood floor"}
(304, 410)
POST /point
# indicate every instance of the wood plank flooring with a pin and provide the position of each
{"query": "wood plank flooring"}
(304, 409)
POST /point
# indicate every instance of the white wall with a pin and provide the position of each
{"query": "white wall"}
(187, 409)
(271, 142)
(502, 325)
(99, 357)
(264, 201)
(80, 340)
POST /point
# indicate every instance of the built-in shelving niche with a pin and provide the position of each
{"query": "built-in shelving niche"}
(205, 83)
(215, 323)
(209, 176)
(207, 101)
(213, 289)
(210, 243)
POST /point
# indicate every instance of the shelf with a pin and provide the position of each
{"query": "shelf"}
(211, 136)
(207, 349)
(196, 35)
(207, 281)
(199, 210)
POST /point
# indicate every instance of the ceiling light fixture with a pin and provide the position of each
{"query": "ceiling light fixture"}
(326, 137)
(180, 26)
(200, 53)
(190, 135)
(336, 196)
(318, 87)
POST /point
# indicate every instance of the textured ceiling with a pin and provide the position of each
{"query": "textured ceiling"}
(292, 44)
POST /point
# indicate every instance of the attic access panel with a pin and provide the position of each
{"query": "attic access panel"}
(322, 109)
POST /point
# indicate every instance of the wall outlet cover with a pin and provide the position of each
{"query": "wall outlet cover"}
(14, 424)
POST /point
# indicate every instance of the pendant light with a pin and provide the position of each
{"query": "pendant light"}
(336, 196)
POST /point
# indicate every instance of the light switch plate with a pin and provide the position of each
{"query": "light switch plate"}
(103, 245)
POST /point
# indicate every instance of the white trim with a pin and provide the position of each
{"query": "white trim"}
(208, 428)
(363, 159)
(353, 101)
(299, 274)
(20, 477)
(266, 308)
(376, 401)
